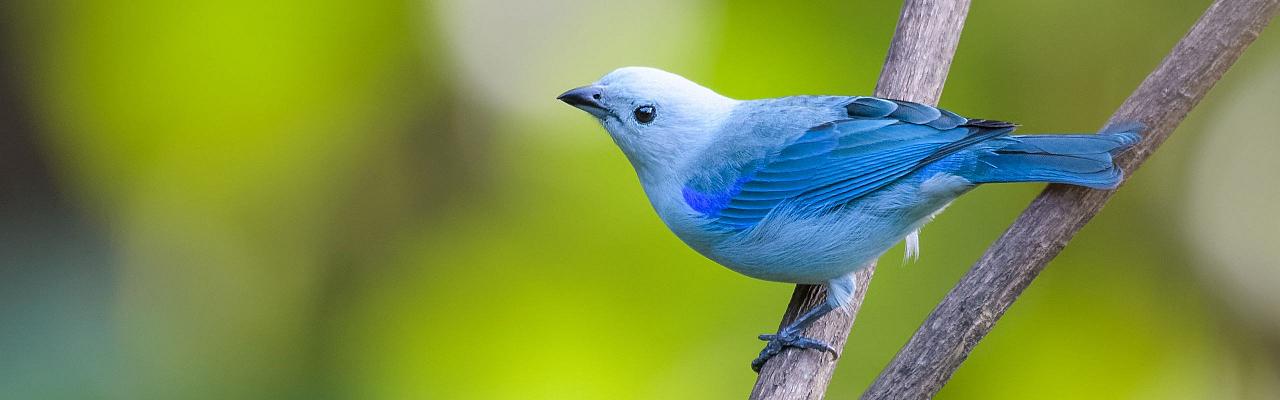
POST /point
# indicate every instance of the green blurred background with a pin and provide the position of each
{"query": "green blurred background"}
(383, 200)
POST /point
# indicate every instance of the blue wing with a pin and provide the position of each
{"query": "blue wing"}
(839, 161)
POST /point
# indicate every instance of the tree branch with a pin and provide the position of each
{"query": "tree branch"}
(915, 69)
(972, 308)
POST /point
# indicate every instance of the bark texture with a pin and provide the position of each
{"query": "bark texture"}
(915, 69)
(974, 305)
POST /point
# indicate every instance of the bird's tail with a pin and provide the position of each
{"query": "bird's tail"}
(1084, 160)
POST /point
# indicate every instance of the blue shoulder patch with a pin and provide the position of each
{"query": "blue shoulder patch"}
(710, 204)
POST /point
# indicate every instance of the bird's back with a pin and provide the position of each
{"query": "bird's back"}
(755, 131)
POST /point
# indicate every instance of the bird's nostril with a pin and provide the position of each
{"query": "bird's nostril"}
(596, 96)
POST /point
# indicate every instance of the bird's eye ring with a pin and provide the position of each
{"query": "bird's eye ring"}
(645, 114)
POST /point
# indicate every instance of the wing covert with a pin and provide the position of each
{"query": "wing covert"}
(839, 161)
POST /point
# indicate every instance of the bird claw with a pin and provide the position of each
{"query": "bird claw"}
(777, 342)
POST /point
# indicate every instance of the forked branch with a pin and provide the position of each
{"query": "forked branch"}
(972, 308)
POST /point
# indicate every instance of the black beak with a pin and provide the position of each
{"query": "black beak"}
(587, 98)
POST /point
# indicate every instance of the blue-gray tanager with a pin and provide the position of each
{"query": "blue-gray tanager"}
(810, 189)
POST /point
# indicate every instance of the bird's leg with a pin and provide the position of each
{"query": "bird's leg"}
(839, 293)
(789, 336)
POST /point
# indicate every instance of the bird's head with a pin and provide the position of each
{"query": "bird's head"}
(656, 117)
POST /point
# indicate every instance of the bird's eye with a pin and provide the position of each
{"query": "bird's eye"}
(645, 114)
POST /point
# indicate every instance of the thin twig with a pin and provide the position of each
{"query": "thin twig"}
(972, 308)
(915, 69)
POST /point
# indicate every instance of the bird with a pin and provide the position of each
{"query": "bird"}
(812, 189)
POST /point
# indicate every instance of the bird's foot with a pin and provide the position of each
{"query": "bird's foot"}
(780, 341)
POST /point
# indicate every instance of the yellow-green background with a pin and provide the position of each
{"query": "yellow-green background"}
(383, 200)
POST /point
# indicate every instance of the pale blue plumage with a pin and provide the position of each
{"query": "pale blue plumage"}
(809, 189)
